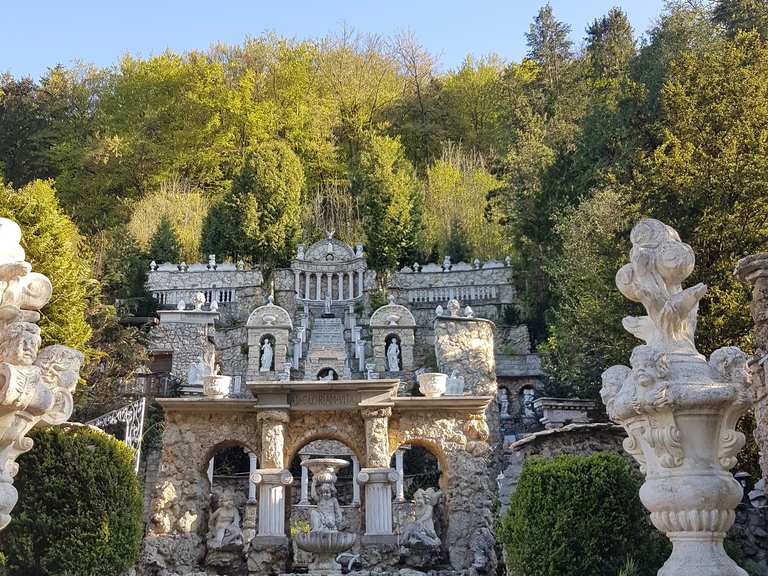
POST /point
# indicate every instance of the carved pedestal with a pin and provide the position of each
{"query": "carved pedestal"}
(272, 483)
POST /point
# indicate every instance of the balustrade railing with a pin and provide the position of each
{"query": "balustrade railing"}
(442, 294)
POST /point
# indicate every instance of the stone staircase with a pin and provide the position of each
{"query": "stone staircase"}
(327, 348)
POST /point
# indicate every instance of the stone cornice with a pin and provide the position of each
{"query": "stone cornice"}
(467, 404)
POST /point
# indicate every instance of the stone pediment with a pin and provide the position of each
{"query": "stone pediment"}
(270, 315)
(393, 315)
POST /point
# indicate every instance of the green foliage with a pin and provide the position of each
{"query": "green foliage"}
(742, 15)
(576, 515)
(388, 186)
(260, 216)
(80, 507)
(164, 246)
(55, 248)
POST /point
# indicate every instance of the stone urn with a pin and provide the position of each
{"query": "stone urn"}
(217, 386)
(432, 384)
(324, 539)
(679, 409)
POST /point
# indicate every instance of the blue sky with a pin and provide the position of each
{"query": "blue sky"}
(39, 34)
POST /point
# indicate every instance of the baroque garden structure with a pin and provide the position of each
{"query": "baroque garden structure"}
(338, 406)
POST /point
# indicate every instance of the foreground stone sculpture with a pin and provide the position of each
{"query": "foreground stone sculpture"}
(679, 411)
(33, 387)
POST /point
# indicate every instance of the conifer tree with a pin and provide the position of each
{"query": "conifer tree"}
(164, 246)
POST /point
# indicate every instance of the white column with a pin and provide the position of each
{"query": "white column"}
(378, 500)
(400, 475)
(296, 353)
(341, 286)
(360, 282)
(319, 286)
(253, 466)
(329, 285)
(210, 474)
(297, 283)
(351, 285)
(355, 483)
(306, 285)
(272, 485)
(304, 483)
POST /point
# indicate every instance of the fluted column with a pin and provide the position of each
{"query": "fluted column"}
(351, 278)
(253, 465)
(400, 475)
(304, 501)
(306, 285)
(272, 478)
(341, 286)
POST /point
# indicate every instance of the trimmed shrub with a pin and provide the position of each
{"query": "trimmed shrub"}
(80, 507)
(578, 515)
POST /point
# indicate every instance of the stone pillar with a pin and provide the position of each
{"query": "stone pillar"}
(360, 282)
(400, 475)
(341, 286)
(297, 283)
(351, 277)
(753, 270)
(378, 477)
(210, 474)
(253, 466)
(329, 285)
(306, 285)
(355, 483)
(272, 477)
(304, 501)
(296, 352)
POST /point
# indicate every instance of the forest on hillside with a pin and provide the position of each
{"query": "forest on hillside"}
(245, 150)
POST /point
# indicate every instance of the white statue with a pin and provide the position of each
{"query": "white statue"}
(393, 356)
(181, 306)
(439, 310)
(502, 399)
(214, 306)
(454, 308)
(468, 312)
(529, 395)
(212, 261)
(447, 263)
(679, 411)
(224, 524)
(198, 300)
(33, 387)
(300, 252)
(422, 528)
(267, 353)
(326, 517)
(153, 266)
(328, 301)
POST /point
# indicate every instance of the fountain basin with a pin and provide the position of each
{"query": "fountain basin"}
(325, 543)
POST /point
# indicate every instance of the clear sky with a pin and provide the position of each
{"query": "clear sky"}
(37, 34)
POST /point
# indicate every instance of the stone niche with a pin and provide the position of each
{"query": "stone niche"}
(393, 323)
(268, 326)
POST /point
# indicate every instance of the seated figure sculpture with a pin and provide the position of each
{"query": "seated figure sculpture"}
(327, 516)
(422, 528)
(224, 524)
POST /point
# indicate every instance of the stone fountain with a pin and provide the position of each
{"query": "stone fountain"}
(324, 540)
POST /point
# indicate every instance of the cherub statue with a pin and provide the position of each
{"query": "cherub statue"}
(224, 524)
(327, 516)
(613, 379)
(649, 368)
(422, 528)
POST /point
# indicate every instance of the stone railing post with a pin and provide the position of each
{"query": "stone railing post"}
(753, 270)
(378, 478)
(678, 409)
(34, 386)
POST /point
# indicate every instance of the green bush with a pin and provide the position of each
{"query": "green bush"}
(577, 515)
(80, 507)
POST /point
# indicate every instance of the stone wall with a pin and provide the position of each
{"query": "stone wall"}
(577, 439)
(748, 539)
(232, 353)
(187, 342)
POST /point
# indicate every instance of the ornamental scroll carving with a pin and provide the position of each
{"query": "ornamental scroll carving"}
(35, 385)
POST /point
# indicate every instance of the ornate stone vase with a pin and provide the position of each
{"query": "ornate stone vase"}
(432, 384)
(679, 410)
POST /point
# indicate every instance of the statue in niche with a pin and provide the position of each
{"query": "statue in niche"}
(328, 301)
(224, 524)
(393, 356)
(329, 375)
(267, 354)
(529, 395)
(327, 516)
(422, 528)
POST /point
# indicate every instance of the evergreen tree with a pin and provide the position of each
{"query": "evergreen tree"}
(550, 47)
(610, 44)
(55, 248)
(389, 189)
(742, 15)
(164, 246)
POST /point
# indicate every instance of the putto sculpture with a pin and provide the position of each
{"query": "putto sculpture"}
(33, 387)
(679, 410)
(224, 524)
(422, 528)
